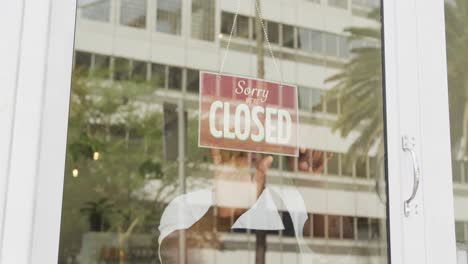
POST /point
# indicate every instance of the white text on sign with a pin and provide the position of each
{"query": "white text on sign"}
(277, 128)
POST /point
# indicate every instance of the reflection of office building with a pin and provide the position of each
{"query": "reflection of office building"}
(166, 42)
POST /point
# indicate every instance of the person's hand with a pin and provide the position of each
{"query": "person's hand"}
(308, 161)
(234, 187)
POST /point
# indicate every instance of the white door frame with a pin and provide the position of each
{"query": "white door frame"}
(415, 88)
(436, 163)
(10, 30)
(417, 102)
(38, 140)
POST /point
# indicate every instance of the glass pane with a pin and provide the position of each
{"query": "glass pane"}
(175, 78)
(310, 40)
(121, 69)
(169, 16)
(193, 81)
(158, 76)
(348, 227)
(361, 167)
(343, 46)
(460, 232)
(317, 100)
(288, 36)
(375, 228)
(464, 172)
(83, 61)
(316, 41)
(227, 19)
(273, 32)
(319, 225)
(331, 44)
(304, 39)
(334, 226)
(203, 19)
(347, 165)
(333, 164)
(457, 173)
(332, 106)
(101, 67)
(139, 71)
(305, 98)
(243, 27)
(133, 13)
(363, 228)
(137, 180)
(456, 21)
(98, 10)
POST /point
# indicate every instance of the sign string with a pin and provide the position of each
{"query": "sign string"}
(257, 7)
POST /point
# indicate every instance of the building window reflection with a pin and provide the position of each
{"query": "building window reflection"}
(374, 168)
(318, 104)
(121, 69)
(460, 232)
(139, 71)
(331, 44)
(318, 225)
(175, 78)
(310, 40)
(98, 10)
(348, 227)
(343, 47)
(101, 66)
(133, 13)
(361, 167)
(333, 163)
(83, 62)
(312, 99)
(347, 165)
(243, 27)
(362, 228)
(334, 226)
(288, 36)
(193, 81)
(273, 30)
(203, 19)
(332, 105)
(169, 16)
(158, 76)
(374, 228)
(227, 19)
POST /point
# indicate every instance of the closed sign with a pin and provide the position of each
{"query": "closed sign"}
(247, 114)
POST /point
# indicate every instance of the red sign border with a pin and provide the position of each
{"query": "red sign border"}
(257, 79)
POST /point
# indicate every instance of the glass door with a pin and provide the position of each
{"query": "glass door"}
(139, 188)
(133, 158)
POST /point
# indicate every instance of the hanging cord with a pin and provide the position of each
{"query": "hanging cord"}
(266, 38)
(230, 38)
(278, 71)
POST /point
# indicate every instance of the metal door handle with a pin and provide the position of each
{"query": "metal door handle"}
(409, 146)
